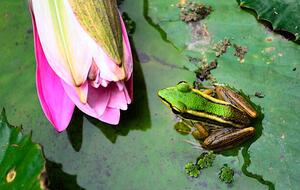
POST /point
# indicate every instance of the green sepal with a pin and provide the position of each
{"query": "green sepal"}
(101, 20)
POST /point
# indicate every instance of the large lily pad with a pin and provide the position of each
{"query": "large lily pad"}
(282, 14)
(22, 164)
(271, 63)
(144, 151)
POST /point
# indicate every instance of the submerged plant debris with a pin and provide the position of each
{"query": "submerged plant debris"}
(193, 12)
(240, 52)
(259, 94)
(204, 68)
(221, 47)
(203, 73)
(226, 174)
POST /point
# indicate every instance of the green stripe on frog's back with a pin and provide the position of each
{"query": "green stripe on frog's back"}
(193, 104)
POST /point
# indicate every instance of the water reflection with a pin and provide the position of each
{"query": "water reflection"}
(58, 179)
(74, 130)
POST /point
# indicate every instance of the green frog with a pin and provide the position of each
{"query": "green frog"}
(220, 116)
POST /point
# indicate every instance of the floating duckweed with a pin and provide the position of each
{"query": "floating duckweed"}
(192, 169)
(226, 174)
(206, 160)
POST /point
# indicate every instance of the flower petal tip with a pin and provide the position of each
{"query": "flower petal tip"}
(111, 116)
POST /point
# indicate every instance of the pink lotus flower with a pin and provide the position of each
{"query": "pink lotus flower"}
(83, 58)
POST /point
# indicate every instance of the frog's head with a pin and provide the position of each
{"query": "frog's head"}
(173, 96)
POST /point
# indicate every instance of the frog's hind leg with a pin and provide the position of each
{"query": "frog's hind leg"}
(227, 138)
(229, 95)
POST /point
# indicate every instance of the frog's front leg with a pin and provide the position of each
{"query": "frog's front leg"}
(227, 138)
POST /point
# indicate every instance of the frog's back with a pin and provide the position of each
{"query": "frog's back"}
(193, 104)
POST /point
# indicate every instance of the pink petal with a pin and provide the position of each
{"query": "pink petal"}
(118, 98)
(129, 87)
(120, 85)
(111, 116)
(104, 82)
(94, 75)
(109, 70)
(56, 105)
(100, 101)
(97, 99)
(66, 45)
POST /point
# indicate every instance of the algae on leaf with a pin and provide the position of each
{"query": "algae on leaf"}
(282, 14)
(22, 165)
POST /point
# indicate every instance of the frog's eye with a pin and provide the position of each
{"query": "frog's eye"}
(183, 86)
(179, 107)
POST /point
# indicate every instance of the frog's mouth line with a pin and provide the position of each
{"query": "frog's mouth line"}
(164, 101)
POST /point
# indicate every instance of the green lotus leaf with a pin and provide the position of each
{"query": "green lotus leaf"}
(22, 164)
(270, 64)
(282, 14)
